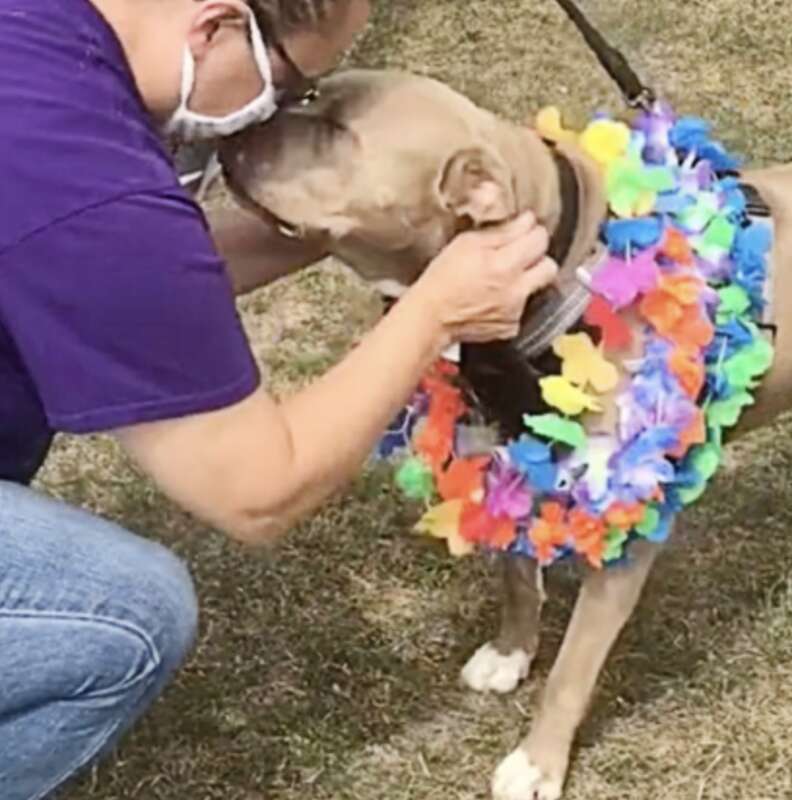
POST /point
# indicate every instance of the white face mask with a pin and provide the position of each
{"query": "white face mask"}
(190, 126)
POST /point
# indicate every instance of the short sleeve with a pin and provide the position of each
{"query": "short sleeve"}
(124, 313)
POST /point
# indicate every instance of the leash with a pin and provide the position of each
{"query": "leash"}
(636, 93)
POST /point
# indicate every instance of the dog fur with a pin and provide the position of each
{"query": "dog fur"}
(386, 168)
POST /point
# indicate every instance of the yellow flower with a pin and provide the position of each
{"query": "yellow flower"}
(549, 126)
(443, 522)
(558, 392)
(584, 364)
(605, 140)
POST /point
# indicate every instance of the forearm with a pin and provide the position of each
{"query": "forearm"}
(255, 467)
(256, 254)
(335, 422)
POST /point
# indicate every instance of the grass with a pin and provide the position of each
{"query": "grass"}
(328, 668)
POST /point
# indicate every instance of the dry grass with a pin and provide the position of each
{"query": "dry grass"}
(328, 670)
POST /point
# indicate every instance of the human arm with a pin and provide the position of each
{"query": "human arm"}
(254, 251)
(255, 467)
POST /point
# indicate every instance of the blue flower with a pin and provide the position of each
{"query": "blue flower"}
(534, 459)
(633, 234)
(692, 134)
(749, 253)
(399, 433)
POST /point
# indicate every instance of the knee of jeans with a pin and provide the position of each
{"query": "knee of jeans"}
(168, 600)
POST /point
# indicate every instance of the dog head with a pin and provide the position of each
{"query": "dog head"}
(388, 167)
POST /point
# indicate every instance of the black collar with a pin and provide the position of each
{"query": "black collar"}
(564, 234)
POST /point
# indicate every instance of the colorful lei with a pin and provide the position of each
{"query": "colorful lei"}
(683, 259)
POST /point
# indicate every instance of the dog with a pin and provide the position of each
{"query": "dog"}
(387, 168)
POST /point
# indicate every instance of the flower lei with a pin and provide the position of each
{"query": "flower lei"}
(687, 262)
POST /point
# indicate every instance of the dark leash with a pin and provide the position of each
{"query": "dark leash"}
(636, 93)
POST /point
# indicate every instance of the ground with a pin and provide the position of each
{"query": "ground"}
(328, 668)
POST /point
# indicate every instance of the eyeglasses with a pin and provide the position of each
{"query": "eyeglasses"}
(302, 89)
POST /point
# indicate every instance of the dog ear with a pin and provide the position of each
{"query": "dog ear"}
(477, 184)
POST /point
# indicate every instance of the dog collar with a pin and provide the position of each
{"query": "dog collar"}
(569, 191)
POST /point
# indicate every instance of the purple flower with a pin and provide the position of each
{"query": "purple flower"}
(656, 127)
(641, 466)
(620, 281)
(508, 494)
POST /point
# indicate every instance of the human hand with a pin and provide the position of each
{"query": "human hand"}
(478, 285)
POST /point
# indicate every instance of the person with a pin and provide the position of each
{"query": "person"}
(117, 315)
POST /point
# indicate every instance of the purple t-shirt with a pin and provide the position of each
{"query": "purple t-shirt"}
(115, 308)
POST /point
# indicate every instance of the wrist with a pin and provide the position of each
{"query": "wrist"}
(423, 316)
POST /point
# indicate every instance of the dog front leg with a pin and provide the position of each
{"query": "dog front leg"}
(499, 665)
(537, 768)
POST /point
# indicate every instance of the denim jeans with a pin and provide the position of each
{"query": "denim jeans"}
(93, 623)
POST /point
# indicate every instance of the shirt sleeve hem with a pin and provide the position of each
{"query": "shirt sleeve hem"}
(110, 418)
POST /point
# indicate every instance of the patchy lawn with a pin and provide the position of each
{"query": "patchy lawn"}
(328, 669)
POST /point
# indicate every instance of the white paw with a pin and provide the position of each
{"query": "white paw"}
(518, 778)
(489, 671)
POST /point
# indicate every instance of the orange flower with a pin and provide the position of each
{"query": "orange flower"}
(479, 526)
(683, 287)
(662, 310)
(444, 367)
(695, 433)
(624, 515)
(435, 441)
(688, 369)
(676, 247)
(684, 325)
(588, 534)
(463, 478)
(548, 532)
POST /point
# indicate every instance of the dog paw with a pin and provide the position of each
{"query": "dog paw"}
(490, 671)
(519, 778)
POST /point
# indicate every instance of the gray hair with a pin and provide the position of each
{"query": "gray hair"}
(277, 17)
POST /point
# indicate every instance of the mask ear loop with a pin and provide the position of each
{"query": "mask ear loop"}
(264, 67)
(259, 50)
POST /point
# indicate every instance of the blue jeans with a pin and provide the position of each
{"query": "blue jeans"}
(93, 623)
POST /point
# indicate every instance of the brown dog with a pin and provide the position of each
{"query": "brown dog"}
(387, 168)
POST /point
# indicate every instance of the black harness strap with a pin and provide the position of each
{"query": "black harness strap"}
(615, 64)
(755, 203)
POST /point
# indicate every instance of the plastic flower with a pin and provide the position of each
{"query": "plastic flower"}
(641, 466)
(632, 235)
(463, 479)
(616, 333)
(533, 459)
(632, 186)
(583, 364)
(588, 534)
(692, 134)
(568, 399)
(399, 433)
(508, 494)
(549, 126)
(620, 281)
(479, 526)
(656, 127)
(605, 140)
(548, 532)
(415, 479)
(443, 522)
(556, 428)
